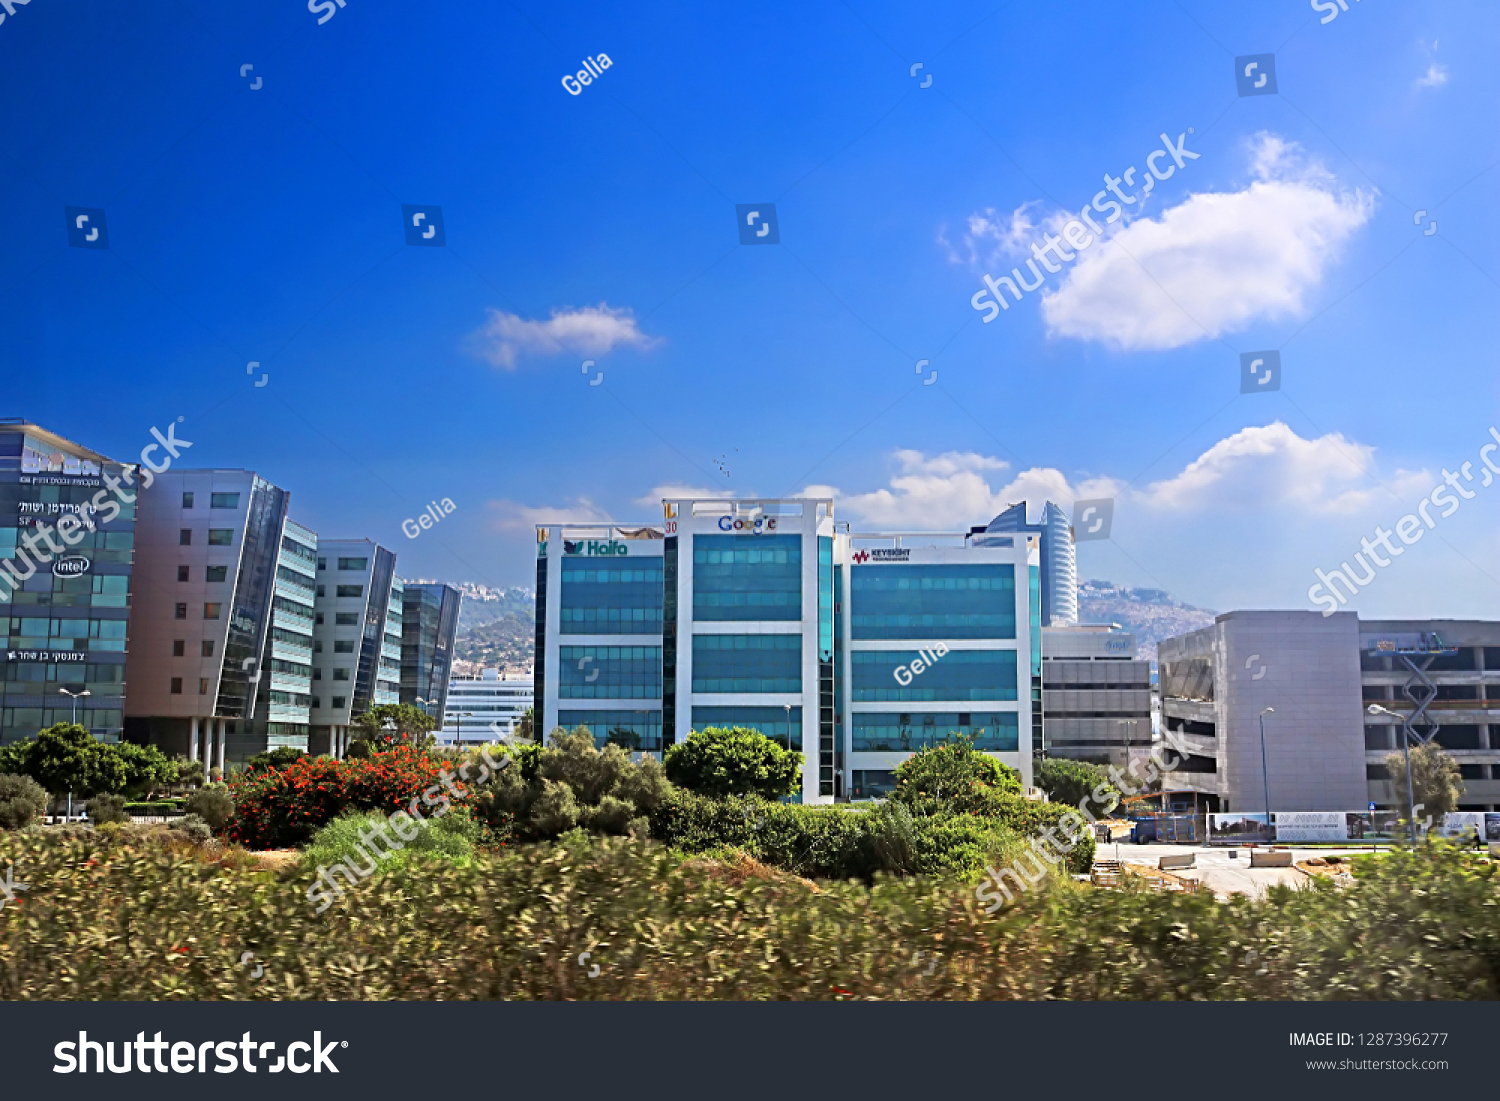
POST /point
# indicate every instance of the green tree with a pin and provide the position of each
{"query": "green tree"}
(22, 800)
(66, 758)
(146, 768)
(723, 761)
(1435, 780)
(279, 757)
(1070, 782)
(213, 804)
(955, 776)
(392, 724)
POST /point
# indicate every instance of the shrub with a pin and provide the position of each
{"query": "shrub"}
(1071, 782)
(279, 757)
(282, 807)
(213, 804)
(22, 801)
(953, 773)
(348, 840)
(723, 761)
(195, 827)
(105, 809)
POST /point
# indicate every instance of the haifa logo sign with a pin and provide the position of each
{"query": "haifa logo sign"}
(74, 565)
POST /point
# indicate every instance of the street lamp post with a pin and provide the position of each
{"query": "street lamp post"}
(75, 696)
(461, 716)
(1129, 738)
(1265, 772)
(788, 708)
(1411, 809)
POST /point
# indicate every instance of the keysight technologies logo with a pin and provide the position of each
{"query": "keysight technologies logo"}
(189, 1058)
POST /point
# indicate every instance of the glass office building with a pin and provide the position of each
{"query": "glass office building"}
(857, 649)
(429, 622)
(67, 554)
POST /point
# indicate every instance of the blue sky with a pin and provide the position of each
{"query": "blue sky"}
(266, 225)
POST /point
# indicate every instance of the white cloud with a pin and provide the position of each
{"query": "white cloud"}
(1435, 77)
(589, 330)
(507, 515)
(1260, 468)
(1216, 261)
(653, 499)
(991, 237)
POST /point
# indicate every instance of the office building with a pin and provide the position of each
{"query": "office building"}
(1059, 558)
(283, 705)
(67, 554)
(429, 622)
(206, 578)
(1096, 695)
(356, 638)
(856, 649)
(1318, 675)
(485, 707)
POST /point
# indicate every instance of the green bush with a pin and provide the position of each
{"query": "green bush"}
(955, 774)
(1071, 782)
(349, 839)
(195, 827)
(213, 804)
(104, 809)
(722, 761)
(279, 757)
(22, 801)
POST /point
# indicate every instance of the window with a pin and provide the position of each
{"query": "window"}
(181, 612)
(346, 619)
(341, 674)
(217, 573)
(638, 731)
(746, 578)
(220, 537)
(600, 598)
(211, 611)
(316, 702)
(343, 647)
(176, 686)
(351, 590)
(185, 537)
(202, 686)
(933, 601)
(187, 500)
(223, 500)
(182, 573)
(320, 592)
(747, 663)
(884, 732)
(317, 674)
(338, 701)
(781, 725)
(317, 646)
(179, 648)
(354, 563)
(610, 672)
(208, 647)
(322, 563)
(318, 619)
(957, 675)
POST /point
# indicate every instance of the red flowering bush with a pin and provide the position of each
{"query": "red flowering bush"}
(278, 808)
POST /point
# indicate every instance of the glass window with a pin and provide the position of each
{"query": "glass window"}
(322, 563)
(319, 620)
(320, 593)
(179, 648)
(187, 500)
(747, 663)
(610, 672)
(224, 500)
(351, 590)
(185, 537)
(211, 611)
(181, 612)
(932, 601)
(208, 647)
(317, 646)
(747, 577)
(317, 674)
(220, 537)
(343, 647)
(176, 688)
(354, 563)
(782, 725)
(338, 701)
(344, 619)
(957, 675)
(341, 674)
(600, 597)
(994, 732)
(202, 686)
(638, 731)
(217, 573)
(182, 573)
(872, 783)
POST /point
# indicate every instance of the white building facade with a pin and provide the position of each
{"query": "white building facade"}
(480, 709)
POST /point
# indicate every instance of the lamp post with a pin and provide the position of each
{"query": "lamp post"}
(461, 716)
(788, 708)
(1129, 738)
(1265, 772)
(75, 696)
(1411, 810)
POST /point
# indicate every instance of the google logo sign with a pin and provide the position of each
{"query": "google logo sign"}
(752, 527)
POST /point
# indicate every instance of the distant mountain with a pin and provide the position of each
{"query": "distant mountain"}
(1150, 614)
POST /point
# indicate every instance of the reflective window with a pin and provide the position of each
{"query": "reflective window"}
(958, 675)
(938, 602)
(220, 537)
(747, 663)
(747, 577)
(782, 725)
(637, 731)
(872, 783)
(600, 597)
(609, 672)
(223, 500)
(995, 732)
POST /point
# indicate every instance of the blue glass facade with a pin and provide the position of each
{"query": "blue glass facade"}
(603, 597)
(958, 675)
(994, 732)
(747, 663)
(782, 725)
(933, 602)
(609, 672)
(738, 578)
(637, 731)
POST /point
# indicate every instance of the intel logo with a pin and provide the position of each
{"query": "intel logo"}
(75, 565)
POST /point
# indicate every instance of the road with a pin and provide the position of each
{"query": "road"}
(1217, 869)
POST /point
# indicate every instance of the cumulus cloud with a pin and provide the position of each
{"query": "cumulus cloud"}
(654, 499)
(589, 330)
(506, 515)
(1216, 261)
(1271, 466)
(1256, 469)
(991, 236)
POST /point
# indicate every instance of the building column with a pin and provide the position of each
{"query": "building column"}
(193, 739)
(223, 734)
